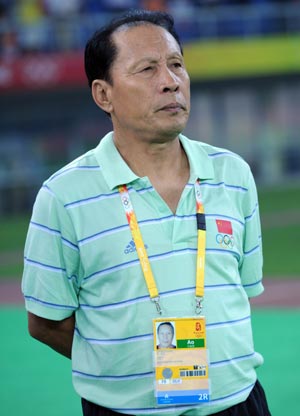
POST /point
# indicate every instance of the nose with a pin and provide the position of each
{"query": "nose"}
(168, 80)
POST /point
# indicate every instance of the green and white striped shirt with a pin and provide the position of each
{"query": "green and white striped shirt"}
(80, 257)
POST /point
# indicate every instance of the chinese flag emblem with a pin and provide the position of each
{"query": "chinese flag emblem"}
(224, 226)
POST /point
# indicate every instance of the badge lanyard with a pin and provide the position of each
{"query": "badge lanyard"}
(143, 256)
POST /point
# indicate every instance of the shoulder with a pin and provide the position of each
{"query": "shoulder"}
(77, 180)
(74, 169)
(75, 173)
(227, 165)
(219, 155)
(84, 175)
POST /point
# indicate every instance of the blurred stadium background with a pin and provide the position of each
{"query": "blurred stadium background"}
(244, 61)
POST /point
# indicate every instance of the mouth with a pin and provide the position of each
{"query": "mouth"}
(172, 107)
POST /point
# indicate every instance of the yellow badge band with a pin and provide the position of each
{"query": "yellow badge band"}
(143, 256)
(201, 230)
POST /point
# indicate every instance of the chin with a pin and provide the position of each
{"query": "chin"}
(174, 128)
(177, 126)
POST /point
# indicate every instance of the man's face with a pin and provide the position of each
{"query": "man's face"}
(165, 336)
(150, 92)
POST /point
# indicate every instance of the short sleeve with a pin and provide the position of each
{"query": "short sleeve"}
(51, 260)
(252, 262)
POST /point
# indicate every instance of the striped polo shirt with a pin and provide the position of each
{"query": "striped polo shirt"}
(80, 258)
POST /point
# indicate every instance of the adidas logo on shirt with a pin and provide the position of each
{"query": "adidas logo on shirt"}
(130, 248)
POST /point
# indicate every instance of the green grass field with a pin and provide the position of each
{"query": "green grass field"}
(280, 215)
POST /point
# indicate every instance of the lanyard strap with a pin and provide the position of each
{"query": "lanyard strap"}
(143, 256)
(201, 231)
(140, 246)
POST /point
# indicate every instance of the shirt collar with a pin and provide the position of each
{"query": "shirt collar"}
(116, 172)
(201, 166)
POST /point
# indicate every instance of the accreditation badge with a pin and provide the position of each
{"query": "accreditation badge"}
(181, 361)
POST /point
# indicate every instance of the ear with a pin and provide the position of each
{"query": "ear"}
(101, 94)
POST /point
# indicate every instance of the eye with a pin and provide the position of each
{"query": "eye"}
(177, 65)
(147, 69)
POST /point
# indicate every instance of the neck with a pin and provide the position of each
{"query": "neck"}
(154, 159)
(164, 163)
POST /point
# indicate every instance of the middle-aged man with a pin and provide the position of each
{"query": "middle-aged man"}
(149, 226)
(165, 335)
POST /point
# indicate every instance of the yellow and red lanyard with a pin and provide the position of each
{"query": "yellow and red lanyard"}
(143, 256)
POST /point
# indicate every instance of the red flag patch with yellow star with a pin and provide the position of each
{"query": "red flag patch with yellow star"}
(224, 226)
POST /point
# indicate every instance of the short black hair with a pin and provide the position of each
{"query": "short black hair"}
(100, 50)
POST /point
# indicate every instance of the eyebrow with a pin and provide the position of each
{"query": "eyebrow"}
(152, 60)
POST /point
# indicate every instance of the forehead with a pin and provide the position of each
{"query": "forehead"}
(165, 327)
(137, 41)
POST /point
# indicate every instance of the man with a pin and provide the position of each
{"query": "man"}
(148, 188)
(165, 335)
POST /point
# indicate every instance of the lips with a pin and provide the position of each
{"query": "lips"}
(172, 107)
